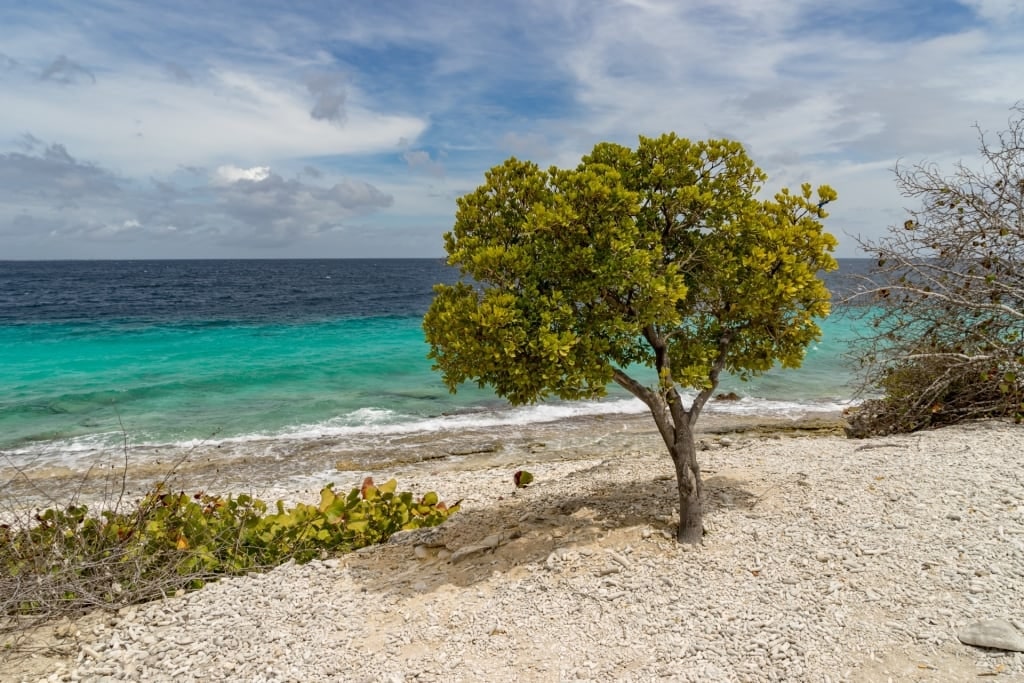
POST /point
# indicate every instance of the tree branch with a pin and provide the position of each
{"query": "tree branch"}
(663, 364)
(716, 370)
(653, 402)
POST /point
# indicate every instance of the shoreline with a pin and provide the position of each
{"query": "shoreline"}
(825, 559)
(294, 469)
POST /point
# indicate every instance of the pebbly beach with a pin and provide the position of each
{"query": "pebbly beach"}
(824, 559)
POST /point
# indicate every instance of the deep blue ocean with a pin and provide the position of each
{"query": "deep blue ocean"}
(180, 352)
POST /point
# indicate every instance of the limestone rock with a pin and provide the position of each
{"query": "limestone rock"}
(489, 543)
(473, 449)
(466, 552)
(431, 537)
(995, 633)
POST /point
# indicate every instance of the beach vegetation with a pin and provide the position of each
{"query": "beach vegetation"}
(522, 479)
(67, 559)
(944, 305)
(661, 258)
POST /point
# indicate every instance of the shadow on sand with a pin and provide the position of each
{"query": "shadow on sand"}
(528, 526)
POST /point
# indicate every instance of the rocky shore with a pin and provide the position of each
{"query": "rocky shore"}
(825, 559)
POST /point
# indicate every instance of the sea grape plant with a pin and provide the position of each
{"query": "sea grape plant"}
(172, 540)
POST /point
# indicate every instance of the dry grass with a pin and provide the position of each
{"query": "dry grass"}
(54, 565)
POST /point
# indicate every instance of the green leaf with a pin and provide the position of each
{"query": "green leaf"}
(522, 479)
(358, 526)
(327, 498)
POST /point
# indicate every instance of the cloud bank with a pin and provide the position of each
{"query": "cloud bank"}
(338, 130)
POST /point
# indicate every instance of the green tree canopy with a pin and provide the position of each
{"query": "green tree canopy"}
(660, 256)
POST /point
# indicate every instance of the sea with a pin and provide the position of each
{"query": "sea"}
(166, 354)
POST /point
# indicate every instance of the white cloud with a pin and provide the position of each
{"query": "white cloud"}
(419, 161)
(143, 121)
(49, 195)
(66, 71)
(329, 93)
(183, 116)
(996, 9)
(225, 175)
(828, 105)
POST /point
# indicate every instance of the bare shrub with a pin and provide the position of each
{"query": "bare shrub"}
(944, 306)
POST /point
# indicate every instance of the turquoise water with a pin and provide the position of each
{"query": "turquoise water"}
(175, 383)
(73, 374)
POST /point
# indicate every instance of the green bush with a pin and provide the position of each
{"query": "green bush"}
(168, 541)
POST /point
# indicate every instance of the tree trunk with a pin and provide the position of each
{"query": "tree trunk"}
(691, 488)
(675, 426)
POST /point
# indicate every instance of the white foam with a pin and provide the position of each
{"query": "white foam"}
(383, 422)
(73, 446)
(761, 406)
(378, 422)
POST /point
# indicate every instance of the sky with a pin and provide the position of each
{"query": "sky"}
(135, 130)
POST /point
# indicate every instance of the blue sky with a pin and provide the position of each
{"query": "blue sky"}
(345, 129)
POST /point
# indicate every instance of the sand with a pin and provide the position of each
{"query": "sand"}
(825, 559)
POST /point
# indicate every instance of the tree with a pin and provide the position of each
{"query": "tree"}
(659, 257)
(945, 301)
